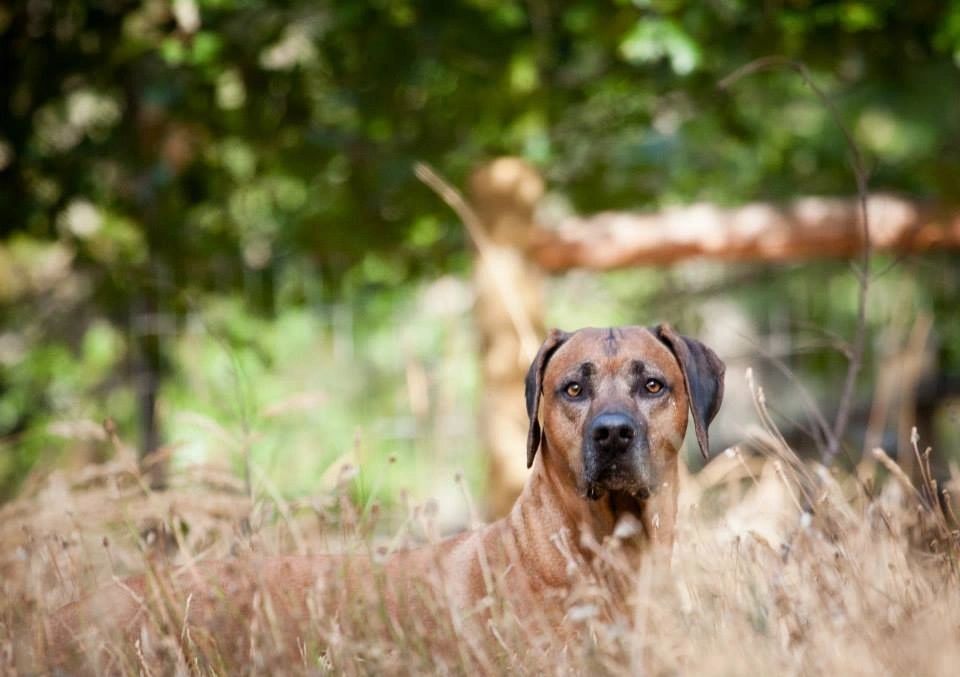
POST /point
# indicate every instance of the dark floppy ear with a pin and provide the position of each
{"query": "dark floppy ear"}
(534, 387)
(703, 376)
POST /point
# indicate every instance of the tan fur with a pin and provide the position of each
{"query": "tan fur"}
(526, 555)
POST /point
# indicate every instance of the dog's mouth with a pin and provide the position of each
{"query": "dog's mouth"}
(632, 484)
(597, 490)
(615, 463)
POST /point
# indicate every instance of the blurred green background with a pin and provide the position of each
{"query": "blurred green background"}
(208, 209)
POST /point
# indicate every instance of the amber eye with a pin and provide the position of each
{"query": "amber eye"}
(653, 386)
(573, 390)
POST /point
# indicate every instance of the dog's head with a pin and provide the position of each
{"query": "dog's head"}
(614, 403)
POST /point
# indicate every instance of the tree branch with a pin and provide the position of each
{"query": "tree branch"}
(806, 228)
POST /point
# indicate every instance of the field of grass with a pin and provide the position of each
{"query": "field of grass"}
(780, 567)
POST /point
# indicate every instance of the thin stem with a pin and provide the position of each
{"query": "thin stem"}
(855, 363)
(521, 321)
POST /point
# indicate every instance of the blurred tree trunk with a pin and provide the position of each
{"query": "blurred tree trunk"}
(149, 372)
(148, 387)
(509, 305)
(162, 150)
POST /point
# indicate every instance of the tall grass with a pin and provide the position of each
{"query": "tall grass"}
(780, 567)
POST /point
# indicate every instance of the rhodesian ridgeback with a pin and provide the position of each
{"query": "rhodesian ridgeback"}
(608, 412)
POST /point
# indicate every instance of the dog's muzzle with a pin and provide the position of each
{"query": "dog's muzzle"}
(616, 456)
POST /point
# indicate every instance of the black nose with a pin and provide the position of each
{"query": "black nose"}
(613, 433)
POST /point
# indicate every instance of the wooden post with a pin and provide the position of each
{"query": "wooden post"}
(509, 317)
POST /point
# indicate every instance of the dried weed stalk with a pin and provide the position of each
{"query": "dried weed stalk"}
(866, 585)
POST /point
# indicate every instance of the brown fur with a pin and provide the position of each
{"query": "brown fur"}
(526, 556)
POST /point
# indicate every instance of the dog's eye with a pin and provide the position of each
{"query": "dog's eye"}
(573, 390)
(653, 386)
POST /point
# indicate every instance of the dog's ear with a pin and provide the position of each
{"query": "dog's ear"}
(534, 388)
(703, 376)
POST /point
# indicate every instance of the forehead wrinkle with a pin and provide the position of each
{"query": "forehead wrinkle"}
(610, 344)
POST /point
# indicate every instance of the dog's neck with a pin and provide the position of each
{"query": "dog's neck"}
(570, 524)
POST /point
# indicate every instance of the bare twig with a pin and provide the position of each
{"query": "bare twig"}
(806, 397)
(861, 175)
(471, 221)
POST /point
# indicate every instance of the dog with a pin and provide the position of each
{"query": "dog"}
(608, 412)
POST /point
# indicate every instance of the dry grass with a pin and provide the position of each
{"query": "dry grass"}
(855, 584)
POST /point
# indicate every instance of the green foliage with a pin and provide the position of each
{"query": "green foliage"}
(180, 156)
(289, 392)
